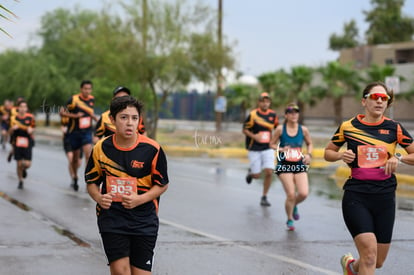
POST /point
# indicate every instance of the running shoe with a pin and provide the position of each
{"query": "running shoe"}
(296, 215)
(290, 225)
(346, 260)
(20, 186)
(74, 184)
(249, 177)
(24, 173)
(9, 157)
(264, 201)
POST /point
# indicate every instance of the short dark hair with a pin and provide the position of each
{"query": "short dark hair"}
(85, 82)
(371, 85)
(120, 103)
(21, 101)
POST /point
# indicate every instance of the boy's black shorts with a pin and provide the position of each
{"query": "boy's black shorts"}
(23, 153)
(139, 249)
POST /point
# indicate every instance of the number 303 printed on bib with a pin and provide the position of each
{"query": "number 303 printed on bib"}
(120, 186)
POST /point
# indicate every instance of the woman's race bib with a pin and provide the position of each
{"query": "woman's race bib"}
(120, 186)
(371, 156)
(293, 154)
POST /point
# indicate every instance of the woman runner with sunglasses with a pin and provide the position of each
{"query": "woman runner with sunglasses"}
(368, 203)
(292, 163)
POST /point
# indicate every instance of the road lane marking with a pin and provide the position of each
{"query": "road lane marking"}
(278, 257)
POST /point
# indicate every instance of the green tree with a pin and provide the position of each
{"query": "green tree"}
(339, 81)
(33, 76)
(379, 73)
(243, 96)
(180, 46)
(349, 39)
(278, 84)
(302, 92)
(387, 24)
(64, 34)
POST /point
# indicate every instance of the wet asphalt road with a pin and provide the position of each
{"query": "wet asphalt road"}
(211, 223)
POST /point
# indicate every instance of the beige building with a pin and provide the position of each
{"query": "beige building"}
(399, 55)
(386, 54)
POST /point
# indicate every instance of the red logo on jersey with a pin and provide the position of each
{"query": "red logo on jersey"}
(137, 164)
(271, 118)
(384, 132)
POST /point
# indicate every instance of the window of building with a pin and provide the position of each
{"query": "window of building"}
(404, 56)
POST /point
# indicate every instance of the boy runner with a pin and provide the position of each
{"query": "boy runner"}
(125, 175)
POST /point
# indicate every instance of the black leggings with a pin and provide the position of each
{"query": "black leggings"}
(369, 213)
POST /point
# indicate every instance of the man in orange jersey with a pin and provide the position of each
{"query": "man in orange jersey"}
(64, 121)
(5, 112)
(21, 128)
(13, 113)
(258, 128)
(80, 113)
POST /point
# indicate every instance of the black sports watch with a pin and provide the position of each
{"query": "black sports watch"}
(399, 157)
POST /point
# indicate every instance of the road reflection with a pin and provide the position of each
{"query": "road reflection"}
(337, 178)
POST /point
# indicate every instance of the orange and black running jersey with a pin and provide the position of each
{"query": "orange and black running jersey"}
(64, 121)
(13, 112)
(77, 103)
(5, 115)
(144, 161)
(104, 126)
(4, 111)
(263, 123)
(23, 123)
(358, 135)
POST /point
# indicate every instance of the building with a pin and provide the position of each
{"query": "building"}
(399, 55)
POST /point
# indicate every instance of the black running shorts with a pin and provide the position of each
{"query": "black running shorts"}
(369, 213)
(139, 249)
(23, 153)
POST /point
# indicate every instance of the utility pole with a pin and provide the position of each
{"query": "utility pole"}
(144, 24)
(220, 80)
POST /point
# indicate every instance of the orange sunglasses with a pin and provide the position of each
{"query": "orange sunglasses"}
(375, 96)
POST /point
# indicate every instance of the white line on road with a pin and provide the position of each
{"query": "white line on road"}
(251, 249)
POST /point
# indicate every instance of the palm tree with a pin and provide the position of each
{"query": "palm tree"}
(302, 92)
(242, 96)
(340, 80)
(5, 16)
(379, 73)
(278, 85)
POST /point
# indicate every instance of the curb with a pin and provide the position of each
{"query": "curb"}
(404, 180)
(342, 172)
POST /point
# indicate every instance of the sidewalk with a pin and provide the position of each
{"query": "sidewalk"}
(29, 244)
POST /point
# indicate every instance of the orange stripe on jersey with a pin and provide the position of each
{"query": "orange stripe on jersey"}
(152, 142)
(122, 148)
(401, 138)
(359, 140)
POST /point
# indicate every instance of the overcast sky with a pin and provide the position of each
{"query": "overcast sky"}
(270, 34)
